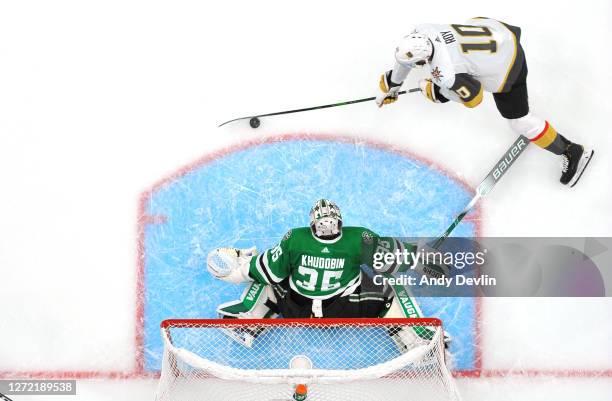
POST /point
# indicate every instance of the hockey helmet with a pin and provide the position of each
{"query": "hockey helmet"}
(414, 49)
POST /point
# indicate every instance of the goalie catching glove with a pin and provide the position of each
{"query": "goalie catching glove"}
(389, 88)
(230, 264)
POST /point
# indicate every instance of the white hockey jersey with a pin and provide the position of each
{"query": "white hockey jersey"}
(482, 54)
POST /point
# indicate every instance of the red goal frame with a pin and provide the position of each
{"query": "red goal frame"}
(285, 322)
(322, 322)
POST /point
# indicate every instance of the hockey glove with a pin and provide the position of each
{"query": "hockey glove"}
(431, 91)
(389, 89)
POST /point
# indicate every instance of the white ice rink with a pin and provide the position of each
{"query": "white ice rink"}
(100, 100)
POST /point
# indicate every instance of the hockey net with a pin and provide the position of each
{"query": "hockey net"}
(304, 359)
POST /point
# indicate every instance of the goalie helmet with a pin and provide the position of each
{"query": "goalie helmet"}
(414, 50)
(325, 219)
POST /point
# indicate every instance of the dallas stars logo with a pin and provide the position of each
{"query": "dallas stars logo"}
(436, 74)
(367, 237)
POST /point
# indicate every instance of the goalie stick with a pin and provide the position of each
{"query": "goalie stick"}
(502, 166)
(278, 113)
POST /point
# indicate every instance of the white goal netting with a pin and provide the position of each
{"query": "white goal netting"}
(304, 360)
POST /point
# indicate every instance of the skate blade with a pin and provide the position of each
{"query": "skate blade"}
(582, 165)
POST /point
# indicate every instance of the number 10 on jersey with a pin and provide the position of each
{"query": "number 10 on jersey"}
(473, 31)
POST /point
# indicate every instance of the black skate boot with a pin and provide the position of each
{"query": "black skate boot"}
(575, 159)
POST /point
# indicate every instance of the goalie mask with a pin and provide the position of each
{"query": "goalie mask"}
(325, 219)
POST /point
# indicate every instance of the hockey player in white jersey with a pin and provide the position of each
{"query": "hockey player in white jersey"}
(466, 60)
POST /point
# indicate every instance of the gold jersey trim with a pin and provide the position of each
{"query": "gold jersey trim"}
(477, 99)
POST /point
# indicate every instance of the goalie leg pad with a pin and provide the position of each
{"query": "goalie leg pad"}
(405, 305)
(257, 302)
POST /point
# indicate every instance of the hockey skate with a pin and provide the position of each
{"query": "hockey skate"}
(245, 336)
(407, 339)
(576, 158)
(404, 339)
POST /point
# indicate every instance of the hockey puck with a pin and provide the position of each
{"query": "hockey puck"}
(254, 122)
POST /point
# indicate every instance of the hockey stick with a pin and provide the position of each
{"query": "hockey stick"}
(503, 165)
(278, 113)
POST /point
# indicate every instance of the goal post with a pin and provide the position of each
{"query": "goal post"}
(304, 359)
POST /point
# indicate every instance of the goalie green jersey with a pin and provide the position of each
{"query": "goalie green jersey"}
(316, 268)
